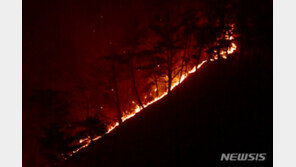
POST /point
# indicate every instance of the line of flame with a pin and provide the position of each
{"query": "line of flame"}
(87, 140)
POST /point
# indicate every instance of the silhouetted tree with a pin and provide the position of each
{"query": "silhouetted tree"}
(154, 70)
(131, 51)
(220, 29)
(188, 25)
(169, 42)
(114, 80)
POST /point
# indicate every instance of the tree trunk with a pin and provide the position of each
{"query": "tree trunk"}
(169, 82)
(198, 57)
(156, 85)
(183, 59)
(134, 84)
(118, 102)
(169, 72)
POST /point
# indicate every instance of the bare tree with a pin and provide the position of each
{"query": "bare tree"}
(167, 46)
(114, 60)
(188, 24)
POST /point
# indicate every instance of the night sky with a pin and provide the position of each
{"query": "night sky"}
(63, 38)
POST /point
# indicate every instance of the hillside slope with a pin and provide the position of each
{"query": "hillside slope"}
(220, 108)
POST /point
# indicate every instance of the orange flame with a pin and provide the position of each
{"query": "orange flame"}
(232, 48)
(137, 109)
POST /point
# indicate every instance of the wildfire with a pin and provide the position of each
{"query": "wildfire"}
(223, 53)
(86, 141)
(112, 127)
(232, 48)
(137, 109)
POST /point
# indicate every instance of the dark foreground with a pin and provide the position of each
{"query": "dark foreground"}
(222, 108)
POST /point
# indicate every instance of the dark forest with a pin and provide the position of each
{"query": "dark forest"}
(145, 83)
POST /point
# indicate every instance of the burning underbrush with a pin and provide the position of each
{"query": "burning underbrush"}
(62, 141)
